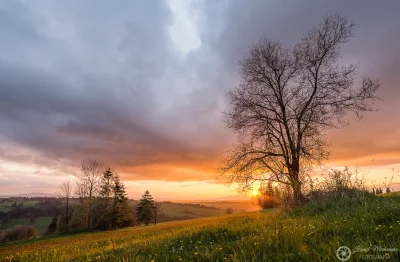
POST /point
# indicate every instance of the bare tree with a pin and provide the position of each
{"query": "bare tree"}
(287, 98)
(65, 191)
(88, 187)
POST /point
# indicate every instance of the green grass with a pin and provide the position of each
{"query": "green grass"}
(29, 203)
(311, 233)
(247, 205)
(14, 222)
(41, 223)
(172, 210)
(5, 207)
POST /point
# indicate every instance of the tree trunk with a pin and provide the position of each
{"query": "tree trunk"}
(298, 196)
(67, 215)
(89, 210)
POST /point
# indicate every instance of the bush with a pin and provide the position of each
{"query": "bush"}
(229, 210)
(274, 195)
(338, 192)
(2, 236)
(340, 185)
(266, 201)
(20, 232)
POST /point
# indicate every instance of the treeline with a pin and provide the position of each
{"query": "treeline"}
(45, 207)
(99, 202)
(102, 202)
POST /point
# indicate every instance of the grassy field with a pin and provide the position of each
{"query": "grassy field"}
(14, 222)
(6, 206)
(312, 233)
(237, 205)
(172, 210)
(41, 223)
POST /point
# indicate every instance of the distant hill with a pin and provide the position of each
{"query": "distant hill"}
(32, 195)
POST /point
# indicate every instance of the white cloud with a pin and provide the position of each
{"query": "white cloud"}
(184, 29)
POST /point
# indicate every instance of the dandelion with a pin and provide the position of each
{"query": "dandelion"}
(196, 253)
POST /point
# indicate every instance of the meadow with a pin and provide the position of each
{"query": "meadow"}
(170, 210)
(368, 225)
(176, 210)
(6, 206)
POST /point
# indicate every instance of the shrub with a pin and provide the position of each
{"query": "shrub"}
(20, 232)
(339, 185)
(265, 201)
(229, 210)
(2, 236)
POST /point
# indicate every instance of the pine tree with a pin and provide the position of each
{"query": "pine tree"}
(146, 209)
(104, 208)
(122, 214)
(52, 228)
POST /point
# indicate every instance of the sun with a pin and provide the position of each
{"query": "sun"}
(254, 192)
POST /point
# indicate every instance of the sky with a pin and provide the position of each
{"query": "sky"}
(140, 85)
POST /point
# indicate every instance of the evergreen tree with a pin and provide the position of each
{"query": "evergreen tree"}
(113, 209)
(122, 214)
(104, 207)
(52, 228)
(146, 209)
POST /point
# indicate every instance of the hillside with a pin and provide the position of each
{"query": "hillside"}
(40, 211)
(312, 233)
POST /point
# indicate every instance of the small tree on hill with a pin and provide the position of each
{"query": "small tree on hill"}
(146, 209)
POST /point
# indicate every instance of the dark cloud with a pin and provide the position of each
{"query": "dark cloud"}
(105, 80)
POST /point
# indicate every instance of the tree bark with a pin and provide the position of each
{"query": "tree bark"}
(298, 196)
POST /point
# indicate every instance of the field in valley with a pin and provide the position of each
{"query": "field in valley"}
(312, 233)
(169, 211)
